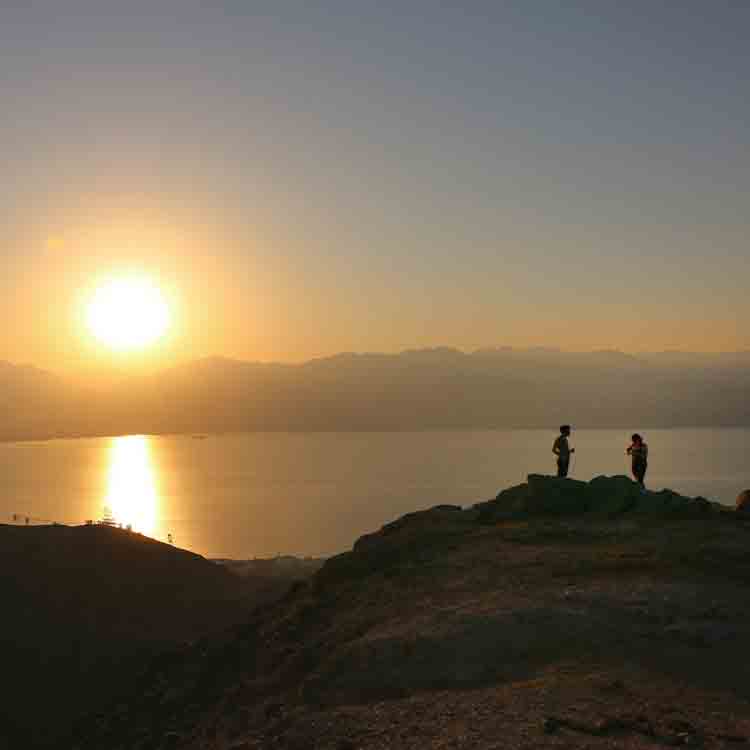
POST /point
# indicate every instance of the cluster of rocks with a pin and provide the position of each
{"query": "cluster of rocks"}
(421, 534)
(602, 496)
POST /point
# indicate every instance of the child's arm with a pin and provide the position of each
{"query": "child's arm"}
(556, 447)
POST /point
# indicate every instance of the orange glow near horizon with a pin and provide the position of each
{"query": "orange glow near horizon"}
(132, 494)
(128, 313)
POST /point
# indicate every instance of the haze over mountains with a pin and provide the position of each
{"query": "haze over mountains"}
(424, 389)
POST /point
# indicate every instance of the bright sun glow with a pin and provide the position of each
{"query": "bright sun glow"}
(128, 313)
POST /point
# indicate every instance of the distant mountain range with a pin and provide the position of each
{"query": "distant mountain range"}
(422, 389)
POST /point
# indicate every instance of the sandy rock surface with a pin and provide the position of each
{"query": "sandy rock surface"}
(481, 628)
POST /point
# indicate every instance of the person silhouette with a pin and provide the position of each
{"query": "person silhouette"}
(638, 450)
(562, 450)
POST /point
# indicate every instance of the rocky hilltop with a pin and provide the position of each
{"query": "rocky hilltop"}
(559, 614)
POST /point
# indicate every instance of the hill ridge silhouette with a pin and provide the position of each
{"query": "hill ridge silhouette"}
(84, 607)
(420, 389)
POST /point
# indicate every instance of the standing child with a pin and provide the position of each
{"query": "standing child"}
(562, 450)
(638, 450)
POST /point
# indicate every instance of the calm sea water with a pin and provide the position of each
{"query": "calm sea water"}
(313, 494)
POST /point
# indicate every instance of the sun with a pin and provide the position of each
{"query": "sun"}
(128, 313)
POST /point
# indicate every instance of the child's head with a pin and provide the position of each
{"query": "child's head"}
(636, 438)
(565, 429)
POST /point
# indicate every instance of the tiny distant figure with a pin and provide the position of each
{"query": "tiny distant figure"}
(638, 451)
(170, 540)
(562, 450)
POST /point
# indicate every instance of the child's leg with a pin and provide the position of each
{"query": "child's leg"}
(639, 471)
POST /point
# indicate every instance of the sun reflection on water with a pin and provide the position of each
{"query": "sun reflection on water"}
(132, 493)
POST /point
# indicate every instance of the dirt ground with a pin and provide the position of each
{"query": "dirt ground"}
(540, 633)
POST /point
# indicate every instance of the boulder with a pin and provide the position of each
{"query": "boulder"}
(436, 517)
(611, 496)
(539, 496)
(508, 504)
(663, 502)
(555, 496)
(412, 539)
(743, 502)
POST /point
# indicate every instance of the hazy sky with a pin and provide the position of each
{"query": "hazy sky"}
(310, 177)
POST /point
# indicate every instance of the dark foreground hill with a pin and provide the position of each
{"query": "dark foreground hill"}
(561, 614)
(83, 608)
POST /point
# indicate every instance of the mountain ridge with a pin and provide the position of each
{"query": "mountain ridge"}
(417, 389)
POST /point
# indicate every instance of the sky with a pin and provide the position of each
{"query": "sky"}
(303, 178)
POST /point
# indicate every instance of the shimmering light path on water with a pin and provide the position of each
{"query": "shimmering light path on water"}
(132, 495)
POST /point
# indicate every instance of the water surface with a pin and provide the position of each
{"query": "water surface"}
(262, 494)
